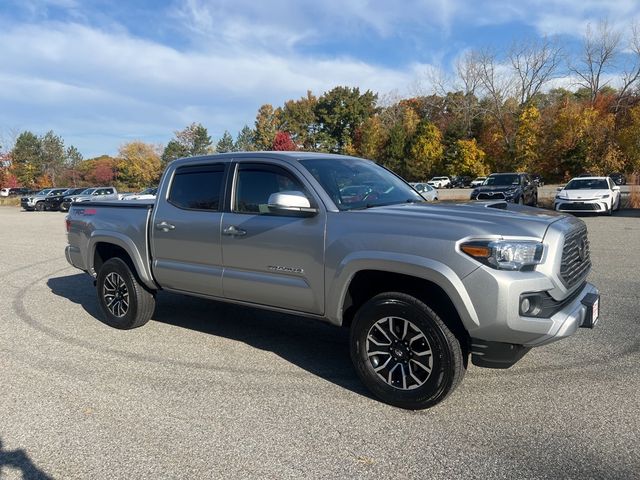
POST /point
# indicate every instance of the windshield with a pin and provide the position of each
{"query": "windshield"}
(353, 184)
(502, 180)
(587, 184)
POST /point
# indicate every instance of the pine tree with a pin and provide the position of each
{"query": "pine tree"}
(225, 144)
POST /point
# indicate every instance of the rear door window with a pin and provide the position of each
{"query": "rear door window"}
(198, 187)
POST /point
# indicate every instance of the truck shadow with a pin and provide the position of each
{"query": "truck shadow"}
(314, 346)
(19, 460)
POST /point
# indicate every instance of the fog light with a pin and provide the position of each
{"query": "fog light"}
(531, 304)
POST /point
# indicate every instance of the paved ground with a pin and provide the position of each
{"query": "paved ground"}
(208, 390)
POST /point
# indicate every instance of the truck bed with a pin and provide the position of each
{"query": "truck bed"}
(121, 223)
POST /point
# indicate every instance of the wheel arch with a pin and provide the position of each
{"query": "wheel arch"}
(366, 284)
(103, 247)
(428, 280)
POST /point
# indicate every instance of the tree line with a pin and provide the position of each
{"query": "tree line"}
(498, 111)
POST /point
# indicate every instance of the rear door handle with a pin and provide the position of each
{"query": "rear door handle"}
(165, 227)
(234, 231)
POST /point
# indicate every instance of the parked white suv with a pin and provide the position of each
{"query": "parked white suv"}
(440, 182)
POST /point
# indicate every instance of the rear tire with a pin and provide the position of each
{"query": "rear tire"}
(404, 353)
(124, 302)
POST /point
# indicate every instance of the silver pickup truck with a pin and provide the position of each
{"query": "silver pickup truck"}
(422, 287)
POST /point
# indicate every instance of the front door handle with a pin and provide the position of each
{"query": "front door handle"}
(165, 227)
(234, 231)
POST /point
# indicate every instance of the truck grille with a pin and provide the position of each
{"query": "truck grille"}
(576, 260)
(491, 196)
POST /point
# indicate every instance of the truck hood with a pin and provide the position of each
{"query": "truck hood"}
(459, 220)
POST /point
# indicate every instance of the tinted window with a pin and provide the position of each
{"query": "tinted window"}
(587, 184)
(197, 187)
(256, 183)
(502, 180)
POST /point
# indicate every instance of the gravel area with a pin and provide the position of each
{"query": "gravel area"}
(210, 390)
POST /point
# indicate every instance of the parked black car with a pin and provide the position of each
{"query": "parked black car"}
(538, 179)
(618, 178)
(461, 181)
(512, 187)
(53, 202)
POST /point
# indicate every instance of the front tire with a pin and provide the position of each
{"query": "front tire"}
(39, 207)
(404, 353)
(124, 302)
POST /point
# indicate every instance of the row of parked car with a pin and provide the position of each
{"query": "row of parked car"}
(464, 181)
(61, 199)
(583, 194)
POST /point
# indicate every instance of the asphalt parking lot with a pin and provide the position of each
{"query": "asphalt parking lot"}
(209, 390)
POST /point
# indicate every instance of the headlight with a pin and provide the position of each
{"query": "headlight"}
(606, 195)
(509, 193)
(505, 254)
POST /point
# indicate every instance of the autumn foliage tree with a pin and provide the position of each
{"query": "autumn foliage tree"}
(282, 142)
(138, 165)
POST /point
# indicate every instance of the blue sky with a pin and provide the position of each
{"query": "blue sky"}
(100, 73)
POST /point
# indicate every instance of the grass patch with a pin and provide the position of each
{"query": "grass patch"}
(634, 197)
(9, 201)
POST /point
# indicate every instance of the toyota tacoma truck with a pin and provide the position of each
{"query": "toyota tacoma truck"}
(421, 287)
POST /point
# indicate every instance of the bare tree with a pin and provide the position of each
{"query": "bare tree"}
(497, 86)
(534, 64)
(468, 83)
(631, 68)
(600, 50)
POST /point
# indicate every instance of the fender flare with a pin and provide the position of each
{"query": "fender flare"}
(411, 265)
(124, 242)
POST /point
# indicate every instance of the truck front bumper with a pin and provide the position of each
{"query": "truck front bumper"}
(582, 311)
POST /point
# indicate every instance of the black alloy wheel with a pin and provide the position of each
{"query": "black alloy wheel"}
(124, 301)
(404, 353)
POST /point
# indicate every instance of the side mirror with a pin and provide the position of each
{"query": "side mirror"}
(291, 202)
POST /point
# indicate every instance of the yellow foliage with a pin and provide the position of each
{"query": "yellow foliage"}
(426, 151)
(138, 164)
(527, 138)
(469, 159)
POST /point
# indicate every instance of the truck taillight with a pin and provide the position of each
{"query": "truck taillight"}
(68, 224)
